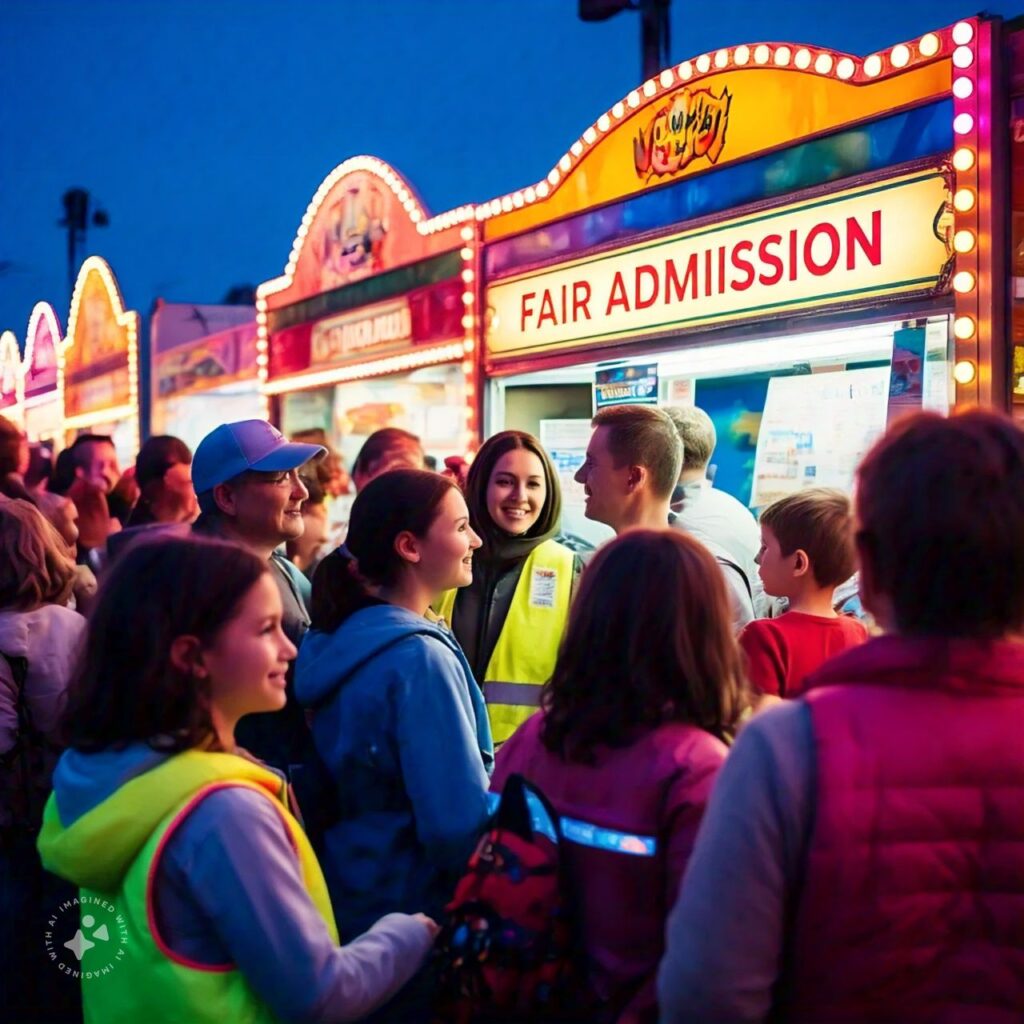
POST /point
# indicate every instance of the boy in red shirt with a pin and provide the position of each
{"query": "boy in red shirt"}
(806, 551)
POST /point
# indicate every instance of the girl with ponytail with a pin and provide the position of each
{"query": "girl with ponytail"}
(398, 719)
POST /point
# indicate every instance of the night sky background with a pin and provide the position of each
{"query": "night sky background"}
(203, 127)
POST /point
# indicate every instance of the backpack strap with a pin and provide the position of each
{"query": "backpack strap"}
(28, 736)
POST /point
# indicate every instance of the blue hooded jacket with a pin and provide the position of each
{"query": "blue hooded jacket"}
(401, 725)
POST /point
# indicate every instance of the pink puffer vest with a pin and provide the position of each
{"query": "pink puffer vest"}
(912, 907)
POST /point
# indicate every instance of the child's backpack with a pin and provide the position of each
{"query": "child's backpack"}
(506, 951)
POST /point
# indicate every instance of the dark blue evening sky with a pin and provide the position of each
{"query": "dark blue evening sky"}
(203, 127)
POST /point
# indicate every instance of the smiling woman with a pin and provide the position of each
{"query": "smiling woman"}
(510, 619)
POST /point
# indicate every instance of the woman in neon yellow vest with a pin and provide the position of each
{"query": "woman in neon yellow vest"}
(510, 620)
(200, 897)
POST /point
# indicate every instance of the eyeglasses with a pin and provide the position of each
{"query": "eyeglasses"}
(289, 478)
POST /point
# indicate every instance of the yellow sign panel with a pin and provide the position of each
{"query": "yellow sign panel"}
(100, 344)
(875, 240)
(727, 117)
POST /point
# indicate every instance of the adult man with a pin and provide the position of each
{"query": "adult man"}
(389, 448)
(97, 471)
(712, 516)
(95, 460)
(631, 469)
(246, 477)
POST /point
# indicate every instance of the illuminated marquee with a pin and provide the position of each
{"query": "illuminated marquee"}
(871, 241)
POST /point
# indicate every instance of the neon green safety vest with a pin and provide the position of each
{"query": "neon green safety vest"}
(527, 648)
(148, 983)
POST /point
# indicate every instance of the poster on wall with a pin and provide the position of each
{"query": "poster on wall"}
(816, 428)
(626, 385)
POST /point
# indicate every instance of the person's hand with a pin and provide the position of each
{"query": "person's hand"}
(429, 923)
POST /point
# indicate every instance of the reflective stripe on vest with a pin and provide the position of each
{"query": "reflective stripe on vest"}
(527, 648)
(584, 833)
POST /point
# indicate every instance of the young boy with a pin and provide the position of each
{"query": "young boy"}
(806, 552)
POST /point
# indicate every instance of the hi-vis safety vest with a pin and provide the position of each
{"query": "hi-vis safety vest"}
(151, 983)
(524, 656)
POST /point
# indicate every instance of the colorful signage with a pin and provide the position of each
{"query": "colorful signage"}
(867, 242)
(207, 362)
(742, 102)
(369, 328)
(691, 125)
(626, 385)
(41, 344)
(100, 365)
(10, 372)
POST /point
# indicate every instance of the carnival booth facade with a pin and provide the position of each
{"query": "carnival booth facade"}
(42, 401)
(371, 325)
(98, 369)
(797, 240)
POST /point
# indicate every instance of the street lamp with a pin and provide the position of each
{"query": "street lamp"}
(654, 27)
(78, 214)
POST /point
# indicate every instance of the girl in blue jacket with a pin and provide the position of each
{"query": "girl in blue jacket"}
(398, 719)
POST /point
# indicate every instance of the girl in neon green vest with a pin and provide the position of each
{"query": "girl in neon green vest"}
(510, 620)
(200, 897)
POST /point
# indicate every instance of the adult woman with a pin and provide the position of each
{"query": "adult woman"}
(39, 641)
(221, 906)
(397, 717)
(164, 479)
(510, 619)
(647, 686)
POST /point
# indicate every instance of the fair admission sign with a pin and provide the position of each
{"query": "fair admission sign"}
(872, 241)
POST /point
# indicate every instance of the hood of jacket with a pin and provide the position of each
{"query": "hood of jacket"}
(327, 661)
(105, 806)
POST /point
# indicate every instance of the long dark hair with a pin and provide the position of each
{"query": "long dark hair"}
(494, 539)
(127, 690)
(399, 501)
(649, 641)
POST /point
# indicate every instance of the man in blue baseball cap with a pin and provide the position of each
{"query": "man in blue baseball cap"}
(246, 478)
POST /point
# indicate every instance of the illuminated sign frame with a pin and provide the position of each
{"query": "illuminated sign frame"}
(865, 242)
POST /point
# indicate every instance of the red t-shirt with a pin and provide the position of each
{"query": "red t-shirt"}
(783, 652)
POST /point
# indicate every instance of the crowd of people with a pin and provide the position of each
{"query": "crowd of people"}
(275, 754)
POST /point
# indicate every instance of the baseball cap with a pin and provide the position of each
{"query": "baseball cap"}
(233, 448)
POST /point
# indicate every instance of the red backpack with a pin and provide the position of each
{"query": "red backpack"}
(507, 951)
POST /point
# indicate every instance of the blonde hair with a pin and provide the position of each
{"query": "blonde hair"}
(36, 565)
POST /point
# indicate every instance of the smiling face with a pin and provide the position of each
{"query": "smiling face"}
(265, 508)
(247, 661)
(516, 491)
(97, 464)
(605, 484)
(446, 552)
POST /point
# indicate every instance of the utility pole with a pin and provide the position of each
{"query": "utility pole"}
(654, 28)
(77, 216)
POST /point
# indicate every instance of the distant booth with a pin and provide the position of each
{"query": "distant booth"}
(42, 404)
(372, 323)
(98, 369)
(11, 403)
(202, 369)
(801, 242)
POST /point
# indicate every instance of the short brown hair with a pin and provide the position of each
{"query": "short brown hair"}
(940, 506)
(818, 521)
(649, 641)
(36, 565)
(697, 432)
(643, 435)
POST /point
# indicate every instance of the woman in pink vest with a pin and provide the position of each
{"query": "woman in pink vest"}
(647, 687)
(862, 857)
